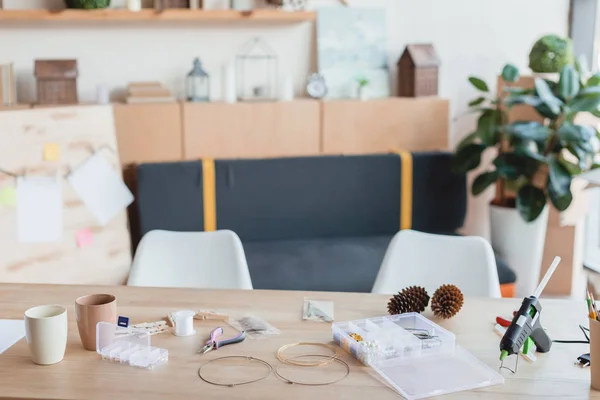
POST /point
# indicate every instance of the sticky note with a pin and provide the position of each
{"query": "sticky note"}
(8, 196)
(100, 187)
(39, 209)
(51, 152)
(84, 238)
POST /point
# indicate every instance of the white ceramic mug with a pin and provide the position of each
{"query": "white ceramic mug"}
(46, 333)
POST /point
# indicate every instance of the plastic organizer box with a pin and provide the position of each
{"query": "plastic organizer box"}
(125, 346)
(415, 356)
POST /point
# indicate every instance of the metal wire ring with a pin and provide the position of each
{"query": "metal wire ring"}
(291, 382)
(266, 364)
(329, 359)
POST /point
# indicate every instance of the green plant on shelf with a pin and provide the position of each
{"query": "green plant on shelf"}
(534, 160)
(87, 4)
(362, 81)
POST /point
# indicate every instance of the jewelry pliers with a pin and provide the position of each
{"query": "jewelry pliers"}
(214, 343)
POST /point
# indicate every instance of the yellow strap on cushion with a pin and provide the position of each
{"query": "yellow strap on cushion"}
(406, 188)
(209, 194)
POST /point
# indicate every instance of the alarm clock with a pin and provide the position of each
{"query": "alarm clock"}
(316, 87)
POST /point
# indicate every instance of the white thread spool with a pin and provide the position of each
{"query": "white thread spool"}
(184, 323)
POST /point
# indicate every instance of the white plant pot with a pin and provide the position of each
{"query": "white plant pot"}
(520, 244)
(363, 93)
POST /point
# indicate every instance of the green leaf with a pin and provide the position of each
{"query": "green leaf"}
(487, 127)
(479, 84)
(570, 132)
(470, 138)
(528, 130)
(568, 85)
(530, 202)
(559, 185)
(587, 102)
(593, 80)
(545, 111)
(596, 113)
(467, 158)
(559, 178)
(560, 200)
(508, 165)
(545, 93)
(510, 73)
(522, 99)
(528, 148)
(476, 102)
(483, 181)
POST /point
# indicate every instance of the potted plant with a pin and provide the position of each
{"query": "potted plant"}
(533, 161)
(362, 83)
(87, 4)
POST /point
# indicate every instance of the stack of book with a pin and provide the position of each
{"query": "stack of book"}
(148, 92)
(8, 86)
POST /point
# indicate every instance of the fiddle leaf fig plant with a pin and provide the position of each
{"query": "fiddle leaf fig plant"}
(534, 160)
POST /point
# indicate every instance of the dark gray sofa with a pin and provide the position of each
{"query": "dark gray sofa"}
(307, 223)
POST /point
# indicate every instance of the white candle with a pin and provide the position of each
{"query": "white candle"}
(134, 5)
(228, 83)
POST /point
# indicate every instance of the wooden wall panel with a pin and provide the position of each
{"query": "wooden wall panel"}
(252, 130)
(149, 132)
(358, 127)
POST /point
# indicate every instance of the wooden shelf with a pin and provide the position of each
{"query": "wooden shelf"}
(152, 15)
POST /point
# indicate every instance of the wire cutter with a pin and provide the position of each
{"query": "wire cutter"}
(214, 343)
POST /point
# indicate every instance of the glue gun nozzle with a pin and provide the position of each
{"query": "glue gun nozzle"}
(503, 355)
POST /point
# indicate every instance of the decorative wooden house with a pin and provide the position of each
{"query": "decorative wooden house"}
(418, 71)
(56, 81)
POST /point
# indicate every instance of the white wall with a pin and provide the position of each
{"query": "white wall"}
(472, 37)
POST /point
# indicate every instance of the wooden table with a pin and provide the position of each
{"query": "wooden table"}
(83, 375)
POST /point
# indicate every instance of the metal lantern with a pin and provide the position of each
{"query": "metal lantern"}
(256, 70)
(198, 83)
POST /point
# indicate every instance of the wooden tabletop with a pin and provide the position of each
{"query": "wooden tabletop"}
(82, 374)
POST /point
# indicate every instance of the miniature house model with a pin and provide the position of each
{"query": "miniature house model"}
(418, 71)
(56, 81)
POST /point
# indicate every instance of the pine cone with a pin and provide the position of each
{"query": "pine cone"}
(410, 299)
(447, 301)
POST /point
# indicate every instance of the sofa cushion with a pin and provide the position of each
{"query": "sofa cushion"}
(335, 264)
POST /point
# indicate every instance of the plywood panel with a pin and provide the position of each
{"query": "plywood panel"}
(241, 130)
(149, 132)
(77, 130)
(358, 127)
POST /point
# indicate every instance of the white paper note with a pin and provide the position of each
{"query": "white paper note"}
(39, 209)
(101, 188)
(11, 331)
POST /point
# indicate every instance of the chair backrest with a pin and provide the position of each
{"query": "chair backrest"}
(213, 260)
(429, 260)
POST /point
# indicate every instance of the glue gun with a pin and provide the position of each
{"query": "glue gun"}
(526, 323)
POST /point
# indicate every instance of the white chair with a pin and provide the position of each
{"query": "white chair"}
(213, 260)
(424, 259)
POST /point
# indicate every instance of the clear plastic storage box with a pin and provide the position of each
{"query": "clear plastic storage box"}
(125, 346)
(417, 357)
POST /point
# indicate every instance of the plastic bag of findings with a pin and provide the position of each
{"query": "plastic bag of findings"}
(255, 327)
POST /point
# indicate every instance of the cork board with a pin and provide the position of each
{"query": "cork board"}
(77, 130)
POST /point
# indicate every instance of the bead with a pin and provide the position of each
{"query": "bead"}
(356, 337)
